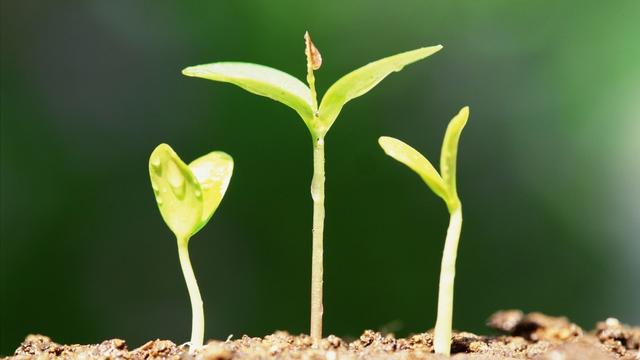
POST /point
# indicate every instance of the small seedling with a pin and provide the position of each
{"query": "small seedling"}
(442, 184)
(282, 87)
(187, 196)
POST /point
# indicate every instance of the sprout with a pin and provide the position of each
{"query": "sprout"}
(442, 184)
(187, 197)
(302, 98)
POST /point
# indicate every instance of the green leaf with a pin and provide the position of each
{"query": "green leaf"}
(416, 162)
(187, 196)
(177, 191)
(360, 81)
(449, 153)
(213, 171)
(261, 80)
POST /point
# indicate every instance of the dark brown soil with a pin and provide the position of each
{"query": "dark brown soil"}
(527, 336)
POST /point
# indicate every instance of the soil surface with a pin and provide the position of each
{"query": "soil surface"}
(526, 336)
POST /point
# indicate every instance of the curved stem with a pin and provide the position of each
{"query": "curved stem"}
(197, 311)
(317, 193)
(442, 336)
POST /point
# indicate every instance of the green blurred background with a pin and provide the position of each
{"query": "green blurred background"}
(548, 167)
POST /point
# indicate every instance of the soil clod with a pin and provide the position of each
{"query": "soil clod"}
(534, 326)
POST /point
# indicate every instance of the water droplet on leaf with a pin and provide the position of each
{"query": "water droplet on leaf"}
(156, 164)
(176, 180)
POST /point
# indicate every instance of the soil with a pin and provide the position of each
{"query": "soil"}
(526, 336)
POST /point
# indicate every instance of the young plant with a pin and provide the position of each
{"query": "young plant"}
(442, 184)
(302, 98)
(187, 196)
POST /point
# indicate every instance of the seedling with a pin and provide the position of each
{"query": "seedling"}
(442, 184)
(282, 87)
(187, 196)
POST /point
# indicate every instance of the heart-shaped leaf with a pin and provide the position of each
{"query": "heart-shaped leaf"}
(187, 196)
(261, 80)
(360, 81)
(213, 171)
(449, 152)
(177, 191)
(416, 162)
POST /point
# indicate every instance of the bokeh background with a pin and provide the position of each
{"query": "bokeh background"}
(548, 168)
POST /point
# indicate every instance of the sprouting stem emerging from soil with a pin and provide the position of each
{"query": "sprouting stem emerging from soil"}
(442, 184)
(197, 309)
(282, 87)
(187, 196)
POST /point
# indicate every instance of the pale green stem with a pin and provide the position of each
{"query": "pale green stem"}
(442, 336)
(311, 80)
(317, 193)
(197, 312)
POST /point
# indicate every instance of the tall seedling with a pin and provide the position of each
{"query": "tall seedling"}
(282, 87)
